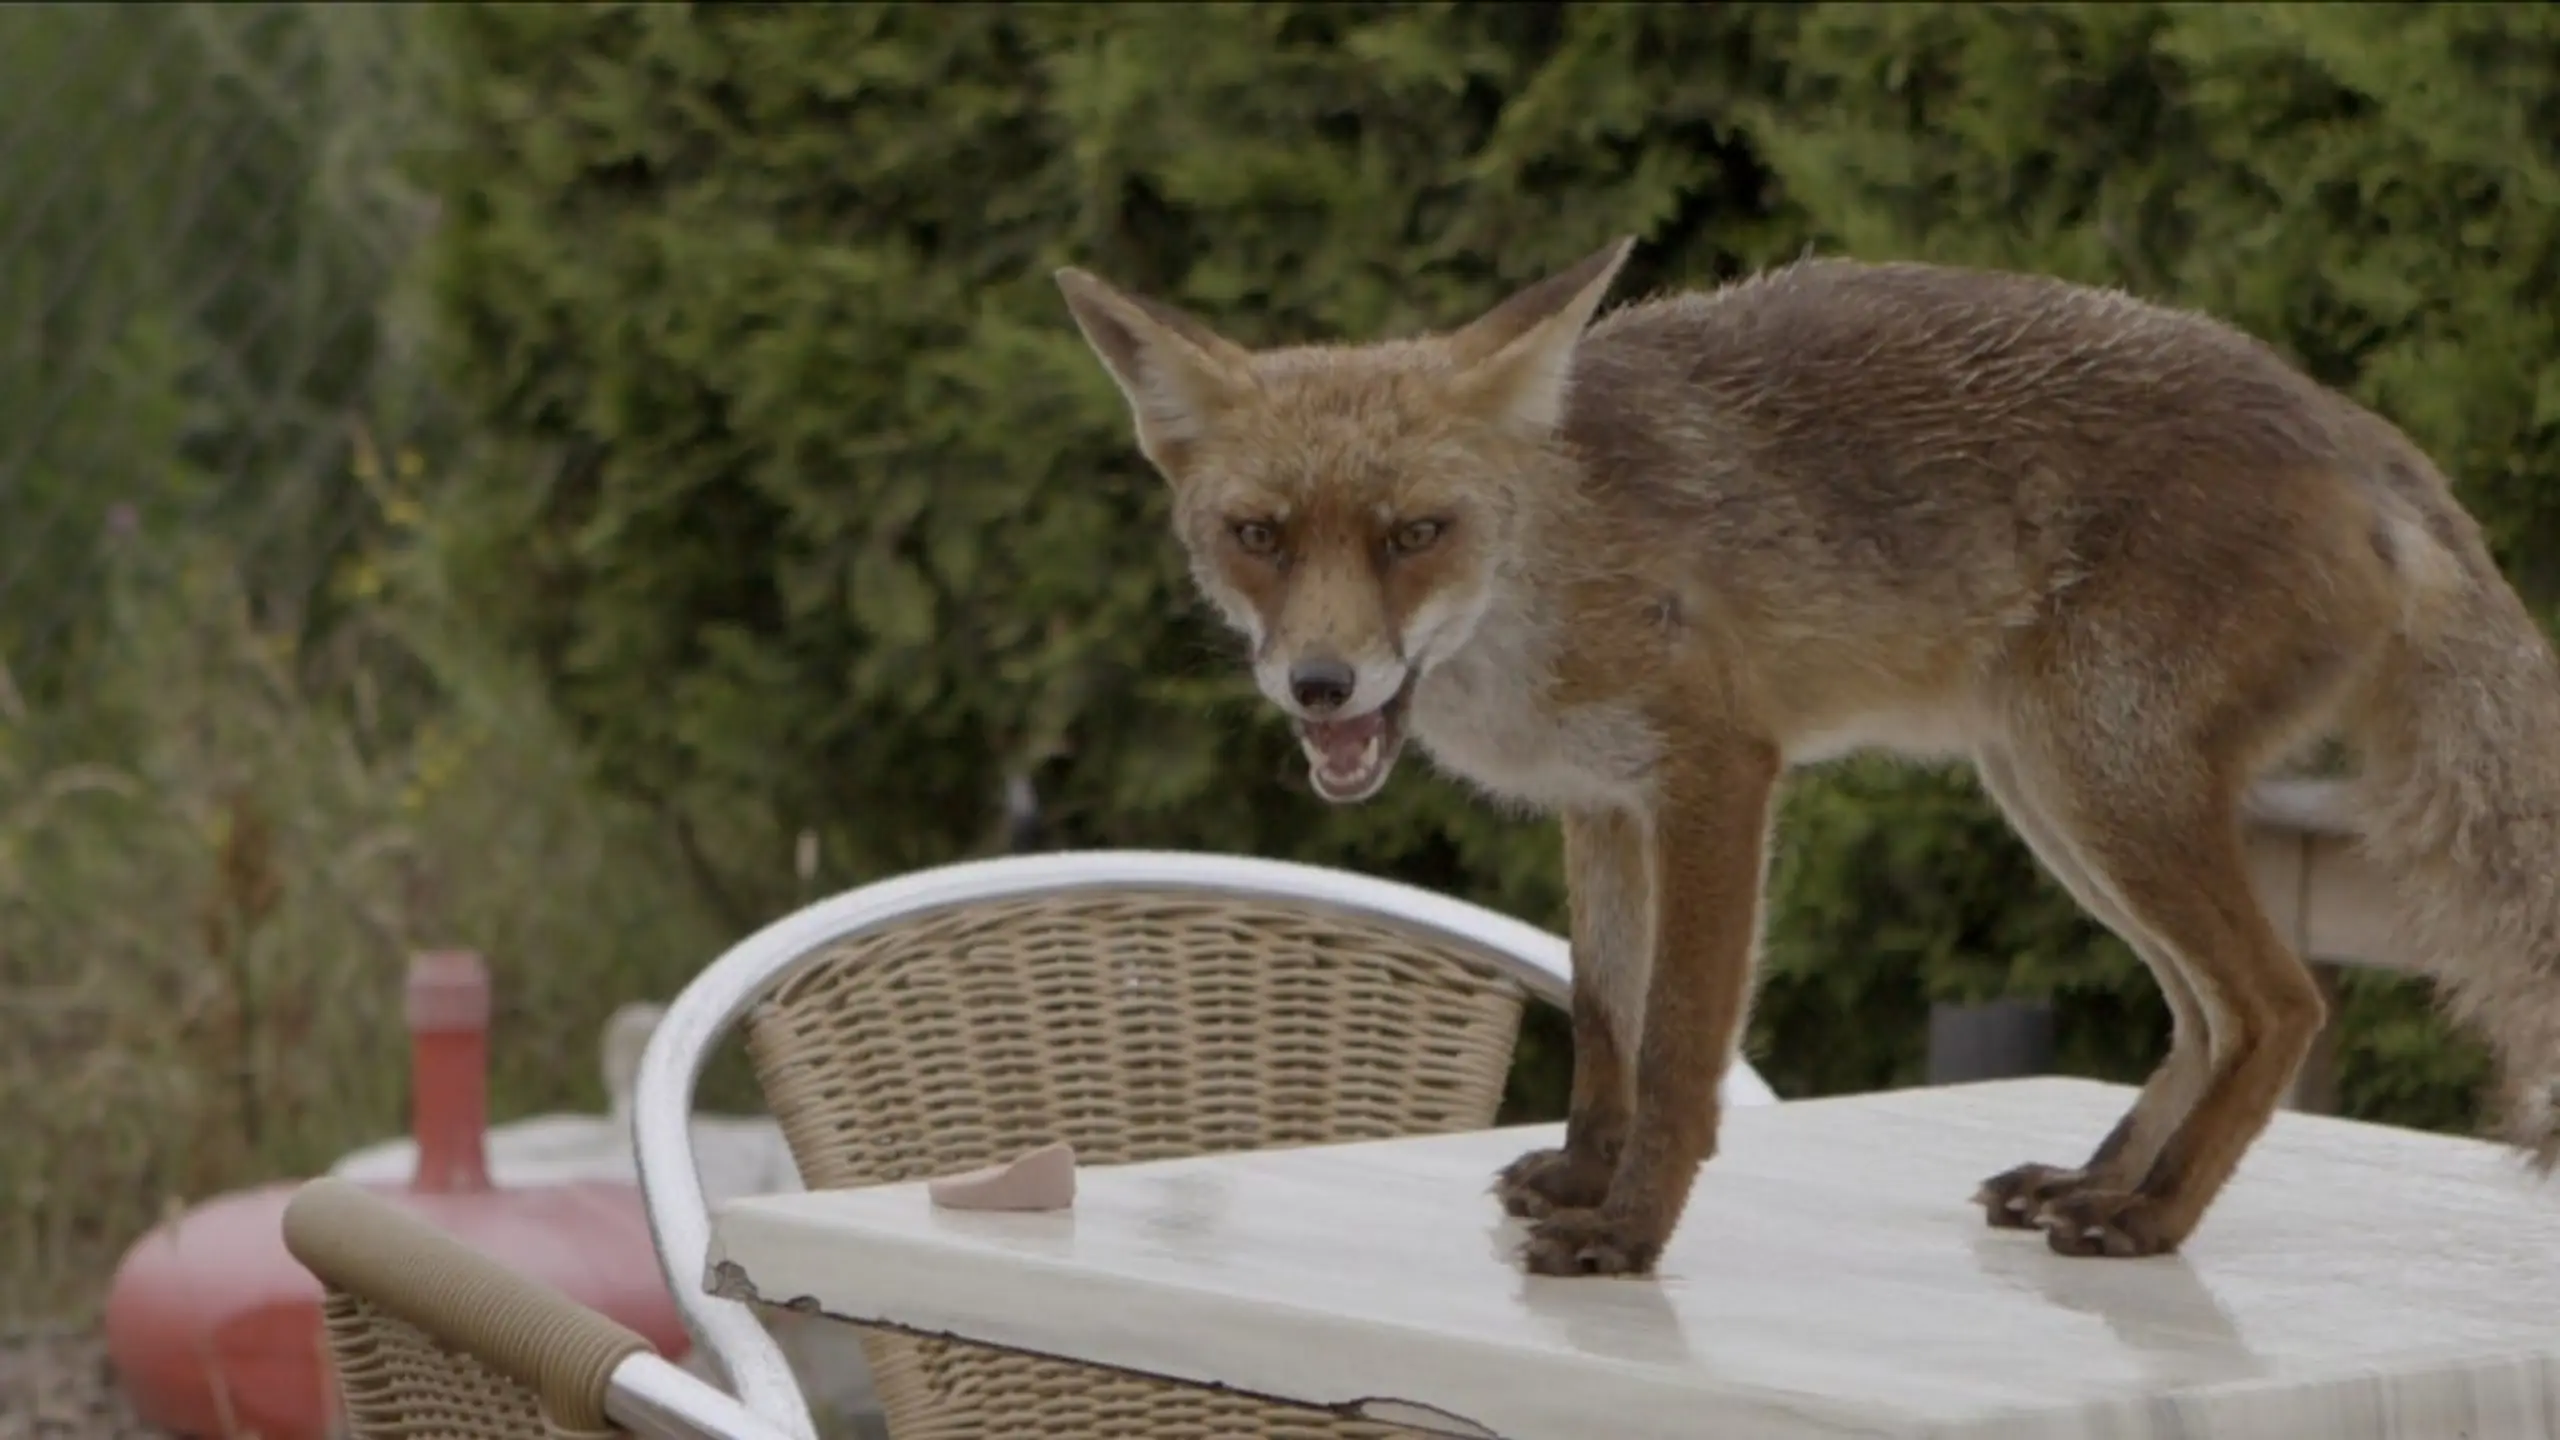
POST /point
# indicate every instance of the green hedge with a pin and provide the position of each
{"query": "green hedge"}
(821, 519)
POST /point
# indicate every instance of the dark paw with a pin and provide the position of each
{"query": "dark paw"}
(2117, 1224)
(2011, 1199)
(1545, 1181)
(1588, 1242)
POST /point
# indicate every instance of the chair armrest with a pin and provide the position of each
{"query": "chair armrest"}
(589, 1372)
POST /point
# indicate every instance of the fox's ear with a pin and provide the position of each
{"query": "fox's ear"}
(1177, 373)
(1516, 360)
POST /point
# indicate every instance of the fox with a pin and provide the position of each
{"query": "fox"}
(1630, 570)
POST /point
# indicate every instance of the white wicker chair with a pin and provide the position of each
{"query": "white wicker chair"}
(1139, 1004)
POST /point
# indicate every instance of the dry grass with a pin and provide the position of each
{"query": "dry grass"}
(213, 866)
(224, 827)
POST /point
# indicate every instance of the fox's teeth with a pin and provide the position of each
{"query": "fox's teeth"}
(1339, 772)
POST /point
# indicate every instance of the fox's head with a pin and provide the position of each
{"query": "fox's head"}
(1350, 509)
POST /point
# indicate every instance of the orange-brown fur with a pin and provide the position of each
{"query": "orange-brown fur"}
(2120, 557)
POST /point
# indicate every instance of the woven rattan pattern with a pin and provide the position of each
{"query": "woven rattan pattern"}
(1137, 1025)
(396, 1380)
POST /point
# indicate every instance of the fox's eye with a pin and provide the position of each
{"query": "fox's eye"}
(1415, 536)
(1257, 537)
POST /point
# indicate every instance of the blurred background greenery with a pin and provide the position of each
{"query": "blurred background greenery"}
(532, 476)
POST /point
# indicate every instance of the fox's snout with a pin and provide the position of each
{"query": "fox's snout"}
(1320, 681)
(1321, 684)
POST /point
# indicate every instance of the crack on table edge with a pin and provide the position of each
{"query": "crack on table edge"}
(1451, 1423)
(729, 1281)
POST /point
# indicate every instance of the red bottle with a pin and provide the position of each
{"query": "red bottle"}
(214, 1329)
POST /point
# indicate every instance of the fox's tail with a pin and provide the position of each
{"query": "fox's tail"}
(2458, 802)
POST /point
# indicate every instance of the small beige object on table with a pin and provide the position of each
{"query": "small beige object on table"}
(1042, 1179)
(1831, 1278)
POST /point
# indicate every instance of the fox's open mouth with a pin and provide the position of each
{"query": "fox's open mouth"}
(1347, 760)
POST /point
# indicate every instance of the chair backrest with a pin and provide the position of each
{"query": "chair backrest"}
(1135, 1023)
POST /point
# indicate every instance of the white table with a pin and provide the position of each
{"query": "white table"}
(1830, 1279)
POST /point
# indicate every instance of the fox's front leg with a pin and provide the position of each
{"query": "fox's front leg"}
(1606, 879)
(1710, 839)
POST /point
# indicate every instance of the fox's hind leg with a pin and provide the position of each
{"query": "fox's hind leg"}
(2143, 798)
(2133, 715)
(2013, 1198)
(2167, 848)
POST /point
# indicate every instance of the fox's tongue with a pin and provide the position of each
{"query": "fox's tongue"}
(1344, 744)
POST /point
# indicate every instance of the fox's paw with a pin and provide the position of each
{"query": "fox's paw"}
(2011, 1199)
(1588, 1242)
(2117, 1224)
(1545, 1181)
